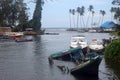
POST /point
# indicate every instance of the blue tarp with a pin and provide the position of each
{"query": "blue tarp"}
(108, 24)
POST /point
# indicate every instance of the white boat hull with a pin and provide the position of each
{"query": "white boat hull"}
(96, 46)
(79, 40)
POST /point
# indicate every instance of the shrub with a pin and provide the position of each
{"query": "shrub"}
(112, 51)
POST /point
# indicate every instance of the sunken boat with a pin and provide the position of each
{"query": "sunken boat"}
(71, 54)
(89, 67)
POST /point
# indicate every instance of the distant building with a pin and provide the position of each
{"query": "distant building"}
(5, 29)
(29, 29)
(108, 26)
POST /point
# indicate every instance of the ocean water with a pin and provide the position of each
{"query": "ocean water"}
(29, 60)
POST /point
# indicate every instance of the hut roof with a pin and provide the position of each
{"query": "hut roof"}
(108, 24)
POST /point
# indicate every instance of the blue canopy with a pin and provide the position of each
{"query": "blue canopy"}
(108, 24)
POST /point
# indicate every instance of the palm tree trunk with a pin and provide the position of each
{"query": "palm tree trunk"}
(77, 20)
(102, 19)
(99, 21)
(73, 21)
(111, 16)
(83, 22)
(80, 22)
(92, 22)
(87, 20)
(70, 19)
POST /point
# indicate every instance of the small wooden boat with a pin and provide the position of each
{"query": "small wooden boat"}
(89, 67)
(14, 35)
(71, 54)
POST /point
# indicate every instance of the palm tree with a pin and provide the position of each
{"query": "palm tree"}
(73, 13)
(70, 11)
(103, 14)
(92, 17)
(89, 9)
(112, 10)
(80, 17)
(100, 17)
(82, 14)
(78, 11)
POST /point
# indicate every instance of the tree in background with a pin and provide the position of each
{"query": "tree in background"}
(116, 2)
(90, 10)
(112, 11)
(101, 18)
(35, 22)
(93, 12)
(80, 11)
(73, 13)
(82, 15)
(70, 16)
(13, 13)
(116, 11)
(103, 14)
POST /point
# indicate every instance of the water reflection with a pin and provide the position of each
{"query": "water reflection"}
(37, 44)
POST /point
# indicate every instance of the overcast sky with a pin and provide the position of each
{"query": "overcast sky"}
(56, 12)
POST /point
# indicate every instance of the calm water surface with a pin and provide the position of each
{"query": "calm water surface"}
(29, 60)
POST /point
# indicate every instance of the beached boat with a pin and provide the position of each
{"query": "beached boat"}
(71, 54)
(96, 45)
(13, 34)
(79, 40)
(90, 67)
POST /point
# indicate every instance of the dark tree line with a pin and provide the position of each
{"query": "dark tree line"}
(13, 13)
(116, 10)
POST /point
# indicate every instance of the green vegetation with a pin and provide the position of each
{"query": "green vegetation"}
(112, 51)
(112, 56)
(35, 22)
(116, 11)
(13, 13)
(117, 31)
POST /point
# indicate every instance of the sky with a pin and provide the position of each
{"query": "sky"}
(55, 13)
